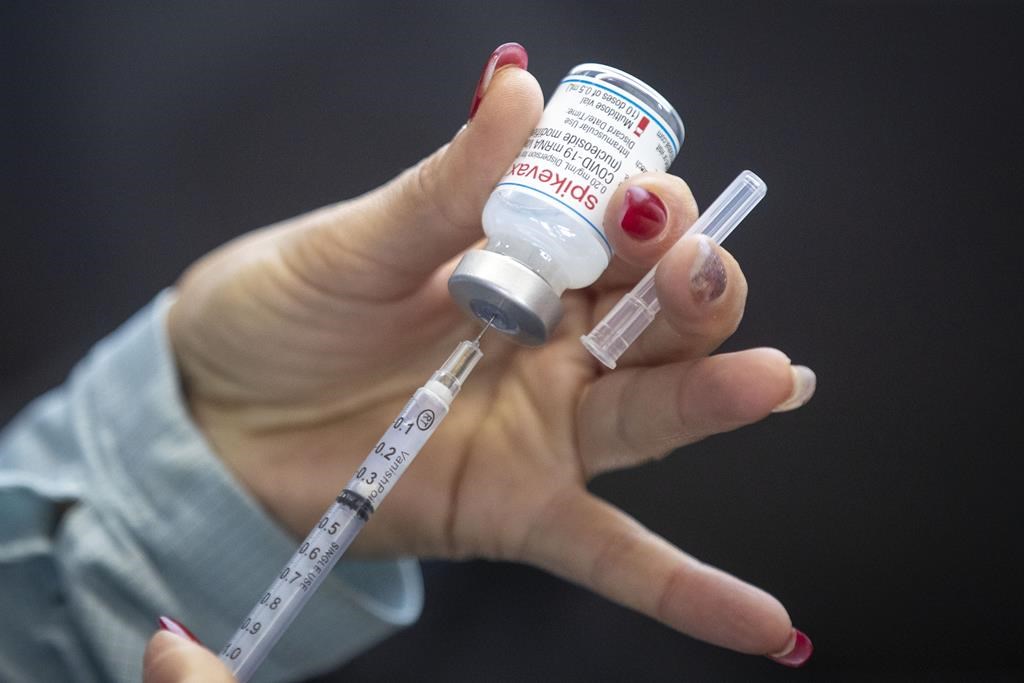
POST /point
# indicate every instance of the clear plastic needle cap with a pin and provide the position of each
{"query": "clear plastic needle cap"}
(634, 312)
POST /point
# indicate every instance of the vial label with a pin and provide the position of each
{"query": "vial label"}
(591, 136)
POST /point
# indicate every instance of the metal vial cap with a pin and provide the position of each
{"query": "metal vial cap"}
(498, 288)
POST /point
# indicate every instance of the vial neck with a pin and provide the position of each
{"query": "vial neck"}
(531, 256)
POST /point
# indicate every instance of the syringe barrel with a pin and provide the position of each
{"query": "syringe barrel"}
(341, 523)
(291, 590)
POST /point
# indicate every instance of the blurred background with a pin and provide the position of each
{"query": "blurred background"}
(886, 514)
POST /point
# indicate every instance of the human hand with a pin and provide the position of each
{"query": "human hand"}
(298, 344)
(173, 655)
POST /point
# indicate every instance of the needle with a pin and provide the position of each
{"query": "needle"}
(486, 327)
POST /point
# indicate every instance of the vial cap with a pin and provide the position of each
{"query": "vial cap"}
(498, 288)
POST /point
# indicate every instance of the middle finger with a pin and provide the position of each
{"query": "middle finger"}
(702, 292)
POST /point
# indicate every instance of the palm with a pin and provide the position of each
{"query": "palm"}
(312, 399)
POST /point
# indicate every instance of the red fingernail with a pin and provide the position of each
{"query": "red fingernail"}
(799, 653)
(168, 624)
(643, 215)
(509, 54)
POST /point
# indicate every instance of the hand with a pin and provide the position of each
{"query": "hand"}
(174, 656)
(299, 343)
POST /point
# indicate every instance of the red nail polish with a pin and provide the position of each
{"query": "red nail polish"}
(509, 54)
(643, 214)
(168, 624)
(802, 650)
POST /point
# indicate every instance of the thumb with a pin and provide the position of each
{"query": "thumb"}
(393, 238)
(171, 658)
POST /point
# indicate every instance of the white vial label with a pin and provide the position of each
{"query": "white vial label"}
(591, 137)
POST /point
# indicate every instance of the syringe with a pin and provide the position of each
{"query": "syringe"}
(636, 310)
(343, 520)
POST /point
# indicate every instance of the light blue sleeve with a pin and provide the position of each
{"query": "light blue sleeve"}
(114, 510)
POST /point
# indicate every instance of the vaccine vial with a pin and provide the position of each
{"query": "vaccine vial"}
(544, 219)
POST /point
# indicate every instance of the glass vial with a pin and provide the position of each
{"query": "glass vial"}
(544, 219)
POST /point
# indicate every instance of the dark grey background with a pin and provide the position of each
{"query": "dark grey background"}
(886, 514)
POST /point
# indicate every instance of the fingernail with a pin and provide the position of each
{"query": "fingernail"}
(797, 652)
(168, 624)
(804, 381)
(509, 54)
(643, 214)
(707, 274)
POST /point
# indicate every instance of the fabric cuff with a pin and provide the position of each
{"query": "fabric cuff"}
(217, 547)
